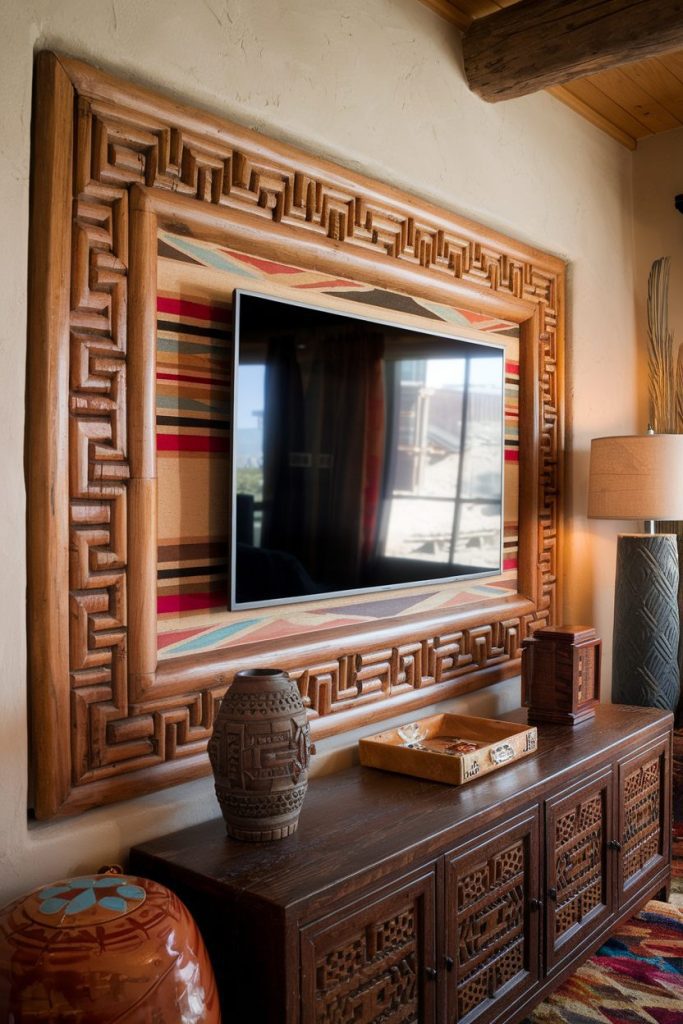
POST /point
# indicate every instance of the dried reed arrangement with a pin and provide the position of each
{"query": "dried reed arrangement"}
(666, 398)
(665, 384)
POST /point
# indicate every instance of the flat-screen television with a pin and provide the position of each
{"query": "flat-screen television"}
(366, 455)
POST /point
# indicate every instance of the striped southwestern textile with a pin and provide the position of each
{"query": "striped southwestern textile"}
(194, 370)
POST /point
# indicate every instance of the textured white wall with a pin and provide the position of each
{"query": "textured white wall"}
(376, 85)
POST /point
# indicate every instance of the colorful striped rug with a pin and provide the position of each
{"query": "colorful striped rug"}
(635, 978)
(677, 849)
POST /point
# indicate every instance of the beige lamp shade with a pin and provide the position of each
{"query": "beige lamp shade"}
(639, 477)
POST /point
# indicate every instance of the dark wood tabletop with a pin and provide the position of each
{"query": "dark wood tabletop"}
(362, 818)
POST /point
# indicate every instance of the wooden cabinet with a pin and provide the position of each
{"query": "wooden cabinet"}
(579, 865)
(643, 840)
(375, 960)
(403, 901)
(492, 920)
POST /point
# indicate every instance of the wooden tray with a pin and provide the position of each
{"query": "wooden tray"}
(434, 754)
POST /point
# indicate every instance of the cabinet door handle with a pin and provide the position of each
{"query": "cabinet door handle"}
(431, 973)
(449, 962)
(552, 894)
(535, 904)
(614, 844)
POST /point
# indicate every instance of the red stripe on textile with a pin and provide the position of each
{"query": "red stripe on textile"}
(191, 380)
(338, 282)
(197, 310)
(509, 563)
(511, 367)
(511, 455)
(191, 443)
(478, 318)
(474, 318)
(166, 639)
(190, 602)
(267, 266)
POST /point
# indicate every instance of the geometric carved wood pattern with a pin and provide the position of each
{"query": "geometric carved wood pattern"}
(579, 865)
(490, 947)
(369, 968)
(642, 837)
(381, 960)
(578, 859)
(108, 722)
(493, 938)
(644, 829)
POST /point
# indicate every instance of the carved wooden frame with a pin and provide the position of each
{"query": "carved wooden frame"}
(111, 164)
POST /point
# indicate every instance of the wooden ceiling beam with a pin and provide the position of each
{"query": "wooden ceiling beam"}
(447, 10)
(536, 44)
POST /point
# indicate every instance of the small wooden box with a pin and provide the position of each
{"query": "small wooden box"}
(561, 674)
(499, 743)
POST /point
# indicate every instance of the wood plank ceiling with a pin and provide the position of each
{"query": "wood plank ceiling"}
(629, 102)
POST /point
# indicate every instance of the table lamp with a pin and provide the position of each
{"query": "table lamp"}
(641, 477)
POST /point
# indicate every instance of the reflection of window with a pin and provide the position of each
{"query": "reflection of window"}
(365, 455)
(249, 453)
(444, 450)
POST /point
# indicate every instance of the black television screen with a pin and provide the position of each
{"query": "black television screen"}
(366, 455)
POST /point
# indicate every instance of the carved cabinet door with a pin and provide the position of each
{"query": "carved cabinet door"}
(374, 962)
(492, 915)
(579, 862)
(643, 829)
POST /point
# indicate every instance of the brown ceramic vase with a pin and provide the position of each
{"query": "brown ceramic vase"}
(100, 949)
(260, 752)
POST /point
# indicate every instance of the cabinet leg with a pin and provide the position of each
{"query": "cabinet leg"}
(664, 893)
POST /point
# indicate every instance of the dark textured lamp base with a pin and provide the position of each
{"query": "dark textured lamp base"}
(646, 622)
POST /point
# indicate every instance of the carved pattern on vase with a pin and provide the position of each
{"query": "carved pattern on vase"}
(260, 752)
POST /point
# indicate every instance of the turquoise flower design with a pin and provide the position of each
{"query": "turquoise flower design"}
(111, 892)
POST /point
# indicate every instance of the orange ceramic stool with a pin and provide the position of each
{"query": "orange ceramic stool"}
(104, 948)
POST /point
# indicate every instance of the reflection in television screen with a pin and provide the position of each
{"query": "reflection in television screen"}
(366, 455)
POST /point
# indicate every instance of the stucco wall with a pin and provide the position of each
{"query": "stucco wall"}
(378, 86)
